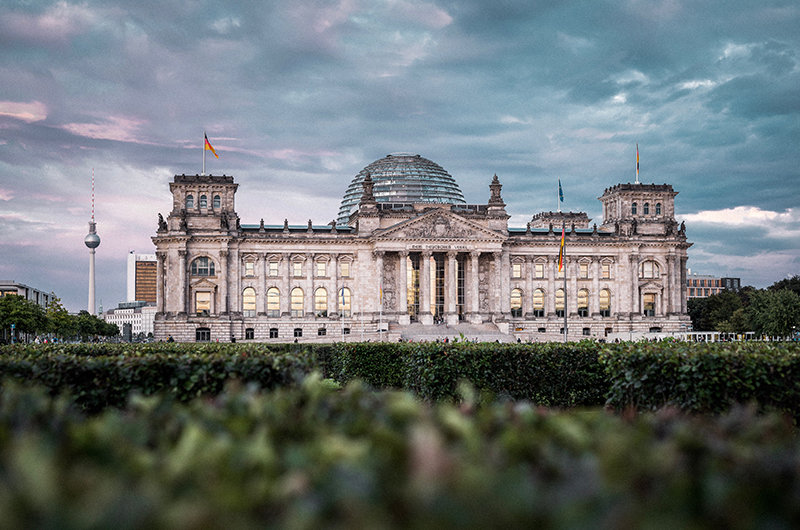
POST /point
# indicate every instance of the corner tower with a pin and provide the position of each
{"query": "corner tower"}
(644, 209)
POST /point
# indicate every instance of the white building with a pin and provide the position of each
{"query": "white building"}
(139, 316)
(29, 293)
(416, 265)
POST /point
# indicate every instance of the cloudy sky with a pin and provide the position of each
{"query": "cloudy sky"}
(297, 97)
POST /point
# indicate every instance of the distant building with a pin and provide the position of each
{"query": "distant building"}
(29, 293)
(138, 315)
(705, 285)
(142, 278)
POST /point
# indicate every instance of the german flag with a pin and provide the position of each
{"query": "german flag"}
(208, 146)
(561, 250)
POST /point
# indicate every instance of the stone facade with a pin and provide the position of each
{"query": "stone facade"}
(398, 264)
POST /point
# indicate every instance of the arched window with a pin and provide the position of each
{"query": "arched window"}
(189, 202)
(648, 270)
(605, 303)
(516, 303)
(216, 202)
(583, 303)
(633, 209)
(344, 302)
(249, 302)
(647, 208)
(538, 303)
(202, 266)
(203, 201)
(273, 302)
(658, 208)
(560, 303)
(321, 302)
(297, 302)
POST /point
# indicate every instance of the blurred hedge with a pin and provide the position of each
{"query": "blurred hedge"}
(312, 456)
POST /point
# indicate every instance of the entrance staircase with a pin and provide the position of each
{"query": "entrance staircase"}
(417, 332)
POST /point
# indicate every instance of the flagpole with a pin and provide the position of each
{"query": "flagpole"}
(564, 260)
(204, 153)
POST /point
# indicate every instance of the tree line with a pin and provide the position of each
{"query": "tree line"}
(774, 311)
(30, 320)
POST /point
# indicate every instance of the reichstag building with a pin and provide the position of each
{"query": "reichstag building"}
(408, 258)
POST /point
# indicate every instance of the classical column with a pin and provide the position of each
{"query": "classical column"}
(336, 295)
(552, 276)
(573, 271)
(425, 315)
(222, 308)
(378, 256)
(594, 296)
(633, 262)
(310, 309)
(402, 289)
(182, 282)
(497, 284)
(505, 283)
(261, 284)
(474, 291)
(451, 289)
(286, 294)
(160, 259)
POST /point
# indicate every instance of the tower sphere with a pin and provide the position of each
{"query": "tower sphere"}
(92, 240)
(402, 177)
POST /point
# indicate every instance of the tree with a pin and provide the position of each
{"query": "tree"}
(774, 313)
(60, 322)
(27, 316)
(792, 284)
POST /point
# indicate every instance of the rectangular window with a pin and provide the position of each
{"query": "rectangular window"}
(249, 334)
(345, 267)
(584, 270)
(539, 268)
(606, 270)
(691, 291)
(273, 333)
(322, 269)
(249, 268)
(273, 268)
(202, 304)
(297, 269)
(516, 270)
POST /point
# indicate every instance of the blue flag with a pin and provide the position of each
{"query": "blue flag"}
(560, 193)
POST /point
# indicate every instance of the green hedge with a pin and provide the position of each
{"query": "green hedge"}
(100, 376)
(704, 377)
(311, 456)
(552, 374)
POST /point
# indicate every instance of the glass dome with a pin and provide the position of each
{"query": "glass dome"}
(402, 177)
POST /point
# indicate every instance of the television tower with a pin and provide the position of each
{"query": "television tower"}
(92, 240)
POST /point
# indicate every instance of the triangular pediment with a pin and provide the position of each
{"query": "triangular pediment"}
(439, 225)
(654, 285)
(204, 284)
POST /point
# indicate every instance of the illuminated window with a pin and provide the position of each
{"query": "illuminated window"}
(249, 302)
(605, 270)
(516, 303)
(322, 269)
(297, 269)
(297, 302)
(189, 202)
(321, 302)
(649, 305)
(605, 303)
(583, 303)
(273, 302)
(345, 267)
(538, 303)
(560, 302)
(344, 302)
(202, 304)
(273, 268)
(203, 201)
(584, 272)
(202, 266)
(539, 270)
(516, 270)
(648, 270)
(249, 268)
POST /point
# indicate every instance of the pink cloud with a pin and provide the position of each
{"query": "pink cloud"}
(29, 112)
(116, 128)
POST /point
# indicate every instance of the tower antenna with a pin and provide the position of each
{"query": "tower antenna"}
(92, 241)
